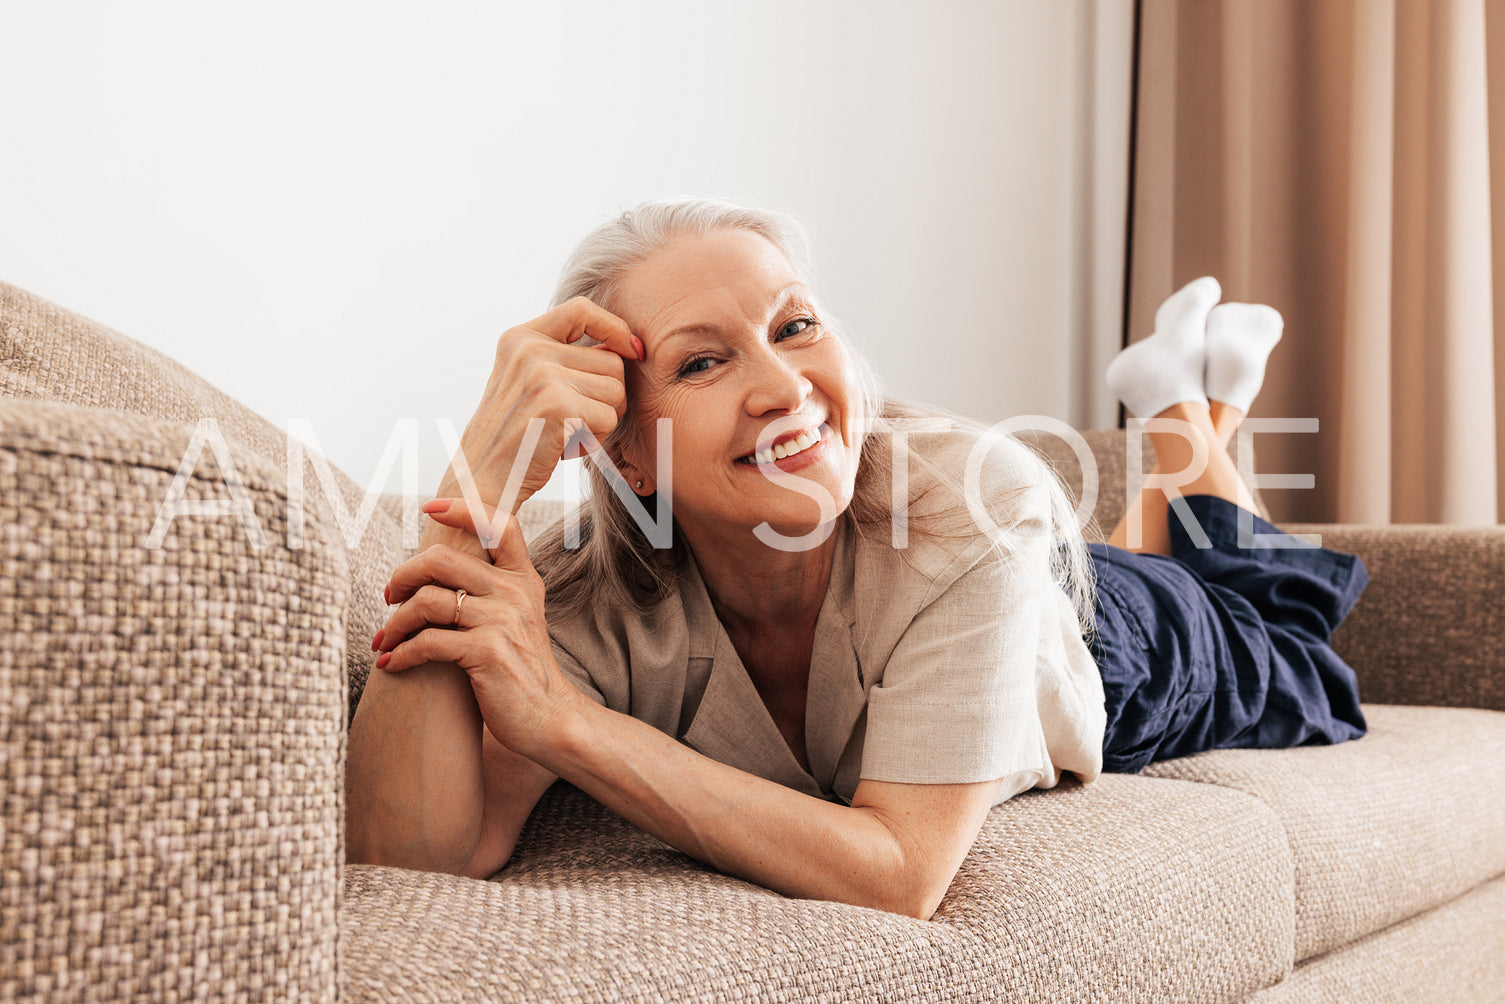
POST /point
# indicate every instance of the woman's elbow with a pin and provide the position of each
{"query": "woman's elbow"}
(911, 894)
(905, 875)
(919, 903)
(916, 906)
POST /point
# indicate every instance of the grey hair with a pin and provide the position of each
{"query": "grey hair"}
(614, 562)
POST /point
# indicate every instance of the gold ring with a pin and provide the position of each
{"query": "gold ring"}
(459, 599)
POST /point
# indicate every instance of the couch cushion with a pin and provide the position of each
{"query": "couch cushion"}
(52, 354)
(1128, 889)
(1454, 954)
(1381, 828)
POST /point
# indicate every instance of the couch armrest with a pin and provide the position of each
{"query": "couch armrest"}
(171, 721)
(1427, 629)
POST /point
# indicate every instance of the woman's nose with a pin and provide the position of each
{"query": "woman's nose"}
(777, 385)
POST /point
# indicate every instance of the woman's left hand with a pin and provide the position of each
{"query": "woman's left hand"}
(496, 632)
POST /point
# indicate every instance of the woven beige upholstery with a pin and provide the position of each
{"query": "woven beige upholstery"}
(171, 725)
(1454, 954)
(592, 909)
(1355, 821)
(172, 751)
(53, 354)
(1427, 630)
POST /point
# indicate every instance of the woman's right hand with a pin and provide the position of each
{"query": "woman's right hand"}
(541, 373)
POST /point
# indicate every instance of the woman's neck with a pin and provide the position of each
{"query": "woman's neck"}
(759, 588)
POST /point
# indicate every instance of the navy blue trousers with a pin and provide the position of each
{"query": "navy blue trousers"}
(1223, 646)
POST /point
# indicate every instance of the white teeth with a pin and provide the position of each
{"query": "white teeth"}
(802, 442)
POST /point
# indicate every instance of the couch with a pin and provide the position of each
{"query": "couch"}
(172, 743)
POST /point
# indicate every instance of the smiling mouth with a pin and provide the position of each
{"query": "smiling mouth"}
(787, 446)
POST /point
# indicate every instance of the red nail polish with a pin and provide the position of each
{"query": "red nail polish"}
(376, 641)
(381, 663)
(638, 345)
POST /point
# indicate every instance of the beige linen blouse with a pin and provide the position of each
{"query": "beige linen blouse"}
(947, 661)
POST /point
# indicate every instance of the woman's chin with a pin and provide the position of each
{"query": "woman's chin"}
(808, 525)
(792, 528)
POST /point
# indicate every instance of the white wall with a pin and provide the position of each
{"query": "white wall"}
(332, 210)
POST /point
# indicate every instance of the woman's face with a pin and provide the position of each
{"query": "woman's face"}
(738, 359)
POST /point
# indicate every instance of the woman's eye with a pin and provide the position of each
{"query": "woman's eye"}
(701, 364)
(697, 365)
(792, 329)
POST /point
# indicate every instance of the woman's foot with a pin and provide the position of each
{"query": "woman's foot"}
(1168, 367)
(1239, 339)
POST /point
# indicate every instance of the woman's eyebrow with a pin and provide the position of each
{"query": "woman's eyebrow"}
(780, 299)
(688, 329)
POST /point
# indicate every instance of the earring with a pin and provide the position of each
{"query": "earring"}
(640, 484)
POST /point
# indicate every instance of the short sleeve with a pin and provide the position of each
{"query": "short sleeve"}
(958, 699)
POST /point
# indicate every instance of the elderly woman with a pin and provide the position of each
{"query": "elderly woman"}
(867, 628)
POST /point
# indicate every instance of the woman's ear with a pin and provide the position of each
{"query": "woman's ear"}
(633, 463)
(639, 480)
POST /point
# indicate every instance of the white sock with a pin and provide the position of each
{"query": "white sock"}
(1239, 339)
(1167, 367)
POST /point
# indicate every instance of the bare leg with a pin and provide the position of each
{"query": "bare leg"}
(1225, 421)
(1175, 455)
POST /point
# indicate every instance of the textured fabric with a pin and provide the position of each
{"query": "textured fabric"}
(1222, 646)
(909, 682)
(52, 354)
(1119, 891)
(1382, 828)
(171, 724)
(991, 679)
(1454, 954)
(1427, 630)
(1301, 595)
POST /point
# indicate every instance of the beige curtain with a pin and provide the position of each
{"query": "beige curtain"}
(1335, 159)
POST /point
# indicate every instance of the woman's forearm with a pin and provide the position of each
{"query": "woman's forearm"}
(413, 779)
(414, 790)
(741, 824)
